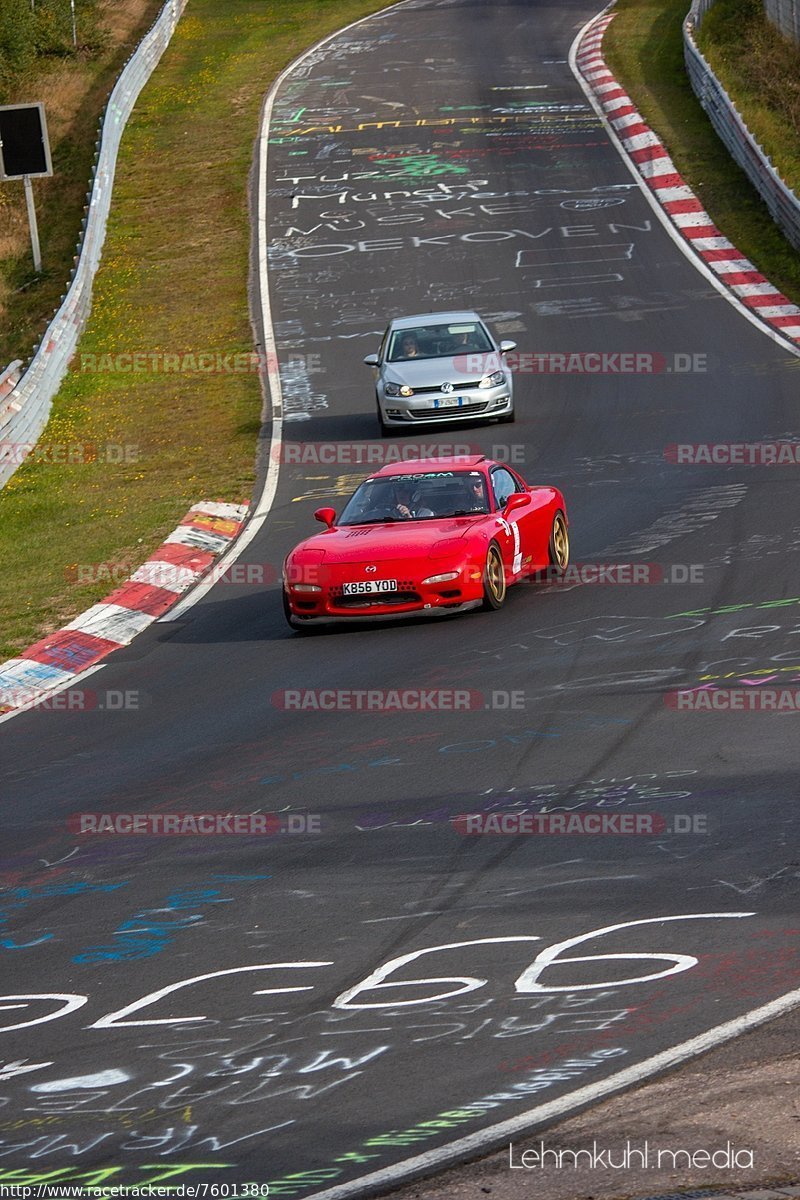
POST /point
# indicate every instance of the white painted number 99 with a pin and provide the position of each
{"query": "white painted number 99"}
(531, 978)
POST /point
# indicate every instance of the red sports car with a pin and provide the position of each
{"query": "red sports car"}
(431, 536)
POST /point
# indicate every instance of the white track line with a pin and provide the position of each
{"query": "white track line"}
(663, 217)
(488, 1139)
(275, 397)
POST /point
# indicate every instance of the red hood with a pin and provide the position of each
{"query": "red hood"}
(380, 543)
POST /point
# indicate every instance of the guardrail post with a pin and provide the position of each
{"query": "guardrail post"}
(37, 254)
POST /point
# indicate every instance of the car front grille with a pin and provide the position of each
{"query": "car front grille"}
(405, 594)
(446, 414)
(380, 600)
(457, 388)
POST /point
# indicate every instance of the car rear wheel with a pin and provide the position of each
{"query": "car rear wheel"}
(559, 544)
(494, 579)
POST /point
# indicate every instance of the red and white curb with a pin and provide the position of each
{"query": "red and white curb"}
(203, 535)
(684, 211)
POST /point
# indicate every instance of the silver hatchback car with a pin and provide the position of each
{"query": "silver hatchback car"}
(441, 367)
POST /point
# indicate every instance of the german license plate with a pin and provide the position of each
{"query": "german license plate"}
(367, 587)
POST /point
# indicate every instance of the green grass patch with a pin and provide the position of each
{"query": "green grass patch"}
(173, 279)
(760, 70)
(644, 49)
(74, 85)
(31, 34)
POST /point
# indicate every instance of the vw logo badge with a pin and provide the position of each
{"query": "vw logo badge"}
(370, 570)
(447, 387)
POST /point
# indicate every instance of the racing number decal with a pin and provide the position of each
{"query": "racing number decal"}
(516, 566)
(512, 529)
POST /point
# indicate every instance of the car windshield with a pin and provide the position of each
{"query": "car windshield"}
(439, 341)
(435, 494)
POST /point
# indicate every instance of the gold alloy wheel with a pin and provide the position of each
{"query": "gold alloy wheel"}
(494, 580)
(559, 543)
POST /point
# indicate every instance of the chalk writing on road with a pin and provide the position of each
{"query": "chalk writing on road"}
(528, 981)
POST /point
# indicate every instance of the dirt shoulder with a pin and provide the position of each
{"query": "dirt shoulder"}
(744, 1095)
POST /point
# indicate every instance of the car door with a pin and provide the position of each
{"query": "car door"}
(515, 539)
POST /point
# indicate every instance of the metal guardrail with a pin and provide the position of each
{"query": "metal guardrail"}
(22, 422)
(785, 14)
(783, 204)
(9, 380)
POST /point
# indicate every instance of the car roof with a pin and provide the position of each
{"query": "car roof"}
(422, 466)
(433, 318)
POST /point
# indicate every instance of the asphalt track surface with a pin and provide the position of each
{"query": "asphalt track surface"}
(308, 1074)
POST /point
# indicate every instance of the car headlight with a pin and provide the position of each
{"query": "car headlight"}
(493, 380)
(445, 578)
(298, 573)
(396, 389)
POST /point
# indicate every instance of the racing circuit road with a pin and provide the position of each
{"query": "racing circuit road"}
(317, 1009)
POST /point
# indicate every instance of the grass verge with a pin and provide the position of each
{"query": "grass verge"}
(760, 70)
(644, 49)
(173, 280)
(74, 87)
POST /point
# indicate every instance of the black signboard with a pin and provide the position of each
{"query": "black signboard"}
(24, 149)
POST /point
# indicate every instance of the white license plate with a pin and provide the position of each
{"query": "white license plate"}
(367, 587)
(449, 402)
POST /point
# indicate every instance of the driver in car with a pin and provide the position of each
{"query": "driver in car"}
(407, 502)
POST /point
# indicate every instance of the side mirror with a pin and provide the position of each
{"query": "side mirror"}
(326, 515)
(505, 347)
(371, 360)
(514, 501)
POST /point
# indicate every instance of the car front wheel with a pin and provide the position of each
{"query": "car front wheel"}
(384, 428)
(494, 579)
(559, 544)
